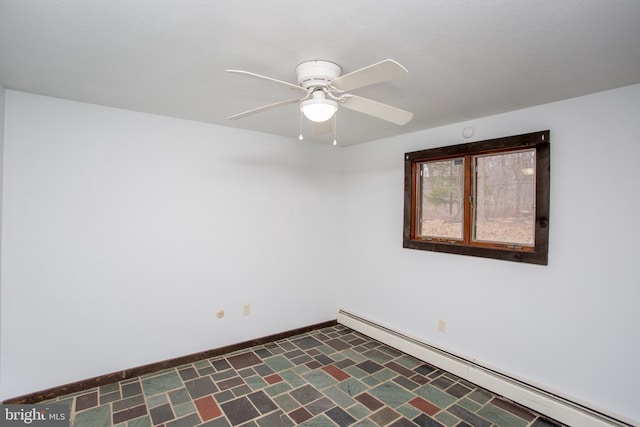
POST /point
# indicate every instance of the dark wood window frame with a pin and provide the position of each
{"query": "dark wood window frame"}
(536, 254)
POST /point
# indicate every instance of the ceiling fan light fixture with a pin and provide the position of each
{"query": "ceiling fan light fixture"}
(324, 86)
(319, 108)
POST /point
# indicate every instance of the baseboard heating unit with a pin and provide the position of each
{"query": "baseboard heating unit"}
(556, 407)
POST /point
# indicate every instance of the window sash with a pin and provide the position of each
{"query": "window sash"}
(511, 193)
(441, 182)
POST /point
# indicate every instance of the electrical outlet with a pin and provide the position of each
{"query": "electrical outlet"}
(442, 326)
(246, 309)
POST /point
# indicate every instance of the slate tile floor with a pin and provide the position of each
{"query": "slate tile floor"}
(329, 377)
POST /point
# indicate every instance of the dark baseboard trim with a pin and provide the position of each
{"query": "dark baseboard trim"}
(113, 377)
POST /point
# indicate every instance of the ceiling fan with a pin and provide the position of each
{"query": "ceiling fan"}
(324, 90)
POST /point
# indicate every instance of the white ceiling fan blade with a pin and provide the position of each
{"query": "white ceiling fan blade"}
(263, 108)
(376, 73)
(376, 109)
(320, 128)
(258, 76)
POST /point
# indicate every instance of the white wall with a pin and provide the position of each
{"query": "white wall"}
(571, 326)
(2, 99)
(124, 233)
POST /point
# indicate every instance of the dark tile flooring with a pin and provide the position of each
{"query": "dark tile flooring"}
(329, 377)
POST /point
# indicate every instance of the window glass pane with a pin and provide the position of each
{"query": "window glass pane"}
(505, 190)
(441, 191)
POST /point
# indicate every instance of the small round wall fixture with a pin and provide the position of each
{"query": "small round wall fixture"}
(468, 132)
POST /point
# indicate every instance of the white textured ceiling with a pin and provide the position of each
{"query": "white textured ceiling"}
(466, 59)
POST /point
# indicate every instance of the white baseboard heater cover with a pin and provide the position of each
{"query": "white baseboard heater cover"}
(549, 404)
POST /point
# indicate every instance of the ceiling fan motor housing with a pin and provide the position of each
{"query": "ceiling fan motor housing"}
(317, 73)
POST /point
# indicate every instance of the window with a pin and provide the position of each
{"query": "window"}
(488, 199)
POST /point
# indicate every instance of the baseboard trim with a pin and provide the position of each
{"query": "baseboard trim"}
(78, 386)
(534, 397)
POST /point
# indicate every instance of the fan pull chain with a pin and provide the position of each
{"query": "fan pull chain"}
(335, 122)
(300, 137)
